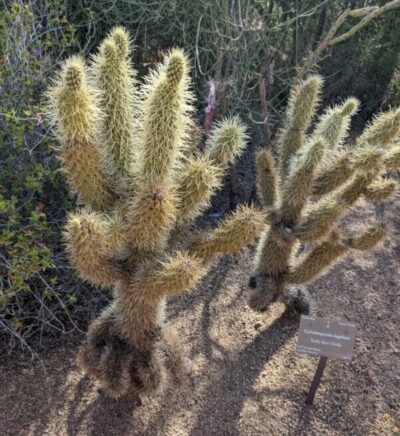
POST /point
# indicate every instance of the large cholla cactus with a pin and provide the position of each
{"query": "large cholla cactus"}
(128, 156)
(309, 185)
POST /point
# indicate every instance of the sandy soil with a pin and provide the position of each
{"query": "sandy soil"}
(247, 378)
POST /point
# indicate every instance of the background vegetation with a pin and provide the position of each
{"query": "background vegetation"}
(245, 54)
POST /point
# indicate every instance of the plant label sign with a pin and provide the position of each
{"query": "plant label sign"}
(327, 338)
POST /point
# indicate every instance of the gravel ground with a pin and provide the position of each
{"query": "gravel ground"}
(247, 378)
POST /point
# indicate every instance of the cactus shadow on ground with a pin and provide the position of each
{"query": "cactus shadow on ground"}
(257, 385)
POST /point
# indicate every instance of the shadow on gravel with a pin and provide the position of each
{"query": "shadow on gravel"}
(222, 412)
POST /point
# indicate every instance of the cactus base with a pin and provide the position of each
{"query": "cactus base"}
(252, 282)
(298, 300)
(261, 300)
(123, 369)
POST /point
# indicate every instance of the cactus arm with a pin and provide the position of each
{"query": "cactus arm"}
(297, 186)
(340, 171)
(334, 124)
(180, 272)
(354, 190)
(334, 175)
(195, 188)
(383, 131)
(391, 159)
(319, 220)
(368, 239)
(89, 246)
(152, 213)
(241, 228)
(150, 216)
(226, 142)
(115, 78)
(381, 190)
(301, 107)
(322, 216)
(367, 158)
(165, 119)
(76, 117)
(267, 179)
(202, 176)
(317, 260)
(326, 253)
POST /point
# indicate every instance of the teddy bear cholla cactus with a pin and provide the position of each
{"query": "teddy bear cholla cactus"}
(309, 185)
(127, 154)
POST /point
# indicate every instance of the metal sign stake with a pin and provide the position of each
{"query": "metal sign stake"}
(316, 380)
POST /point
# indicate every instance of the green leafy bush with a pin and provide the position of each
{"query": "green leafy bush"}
(32, 298)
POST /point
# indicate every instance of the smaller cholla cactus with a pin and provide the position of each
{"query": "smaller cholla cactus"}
(313, 180)
(126, 152)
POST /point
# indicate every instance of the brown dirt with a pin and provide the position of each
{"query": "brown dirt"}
(247, 378)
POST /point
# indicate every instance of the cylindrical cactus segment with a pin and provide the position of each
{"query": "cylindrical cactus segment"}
(350, 106)
(76, 117)
(195, 188)
(115, 78)
(319, 220)
(298, 184)
(90, 249)
(383, 131)
(83, 165)
(150, 216)
(334, 175)
(176, 67)
(334, 123)
(317, 260)
(366, 158)
(117, 229)
(303, 102)
(301, 108)
(267, 179)
(391, 159)
(226, 141)
(369, 239)
(165, 119)
(180, 272)
(240, 228)
(352, 192)
(121, 39)
(73, 102)
(381, 190)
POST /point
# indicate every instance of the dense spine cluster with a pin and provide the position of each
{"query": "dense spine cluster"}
(125, 153)
(307, 187)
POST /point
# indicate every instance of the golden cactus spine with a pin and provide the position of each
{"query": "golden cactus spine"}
(125, 151)
(319, 179)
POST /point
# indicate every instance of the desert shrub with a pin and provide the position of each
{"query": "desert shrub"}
(32, 298)
(365, 64)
